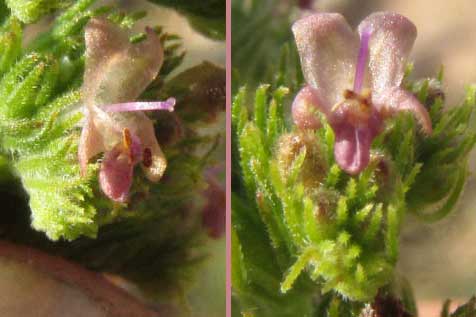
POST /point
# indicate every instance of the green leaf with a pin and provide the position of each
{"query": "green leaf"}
(297, 268)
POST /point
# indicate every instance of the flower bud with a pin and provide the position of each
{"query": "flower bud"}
(314, 166)
(434, 91)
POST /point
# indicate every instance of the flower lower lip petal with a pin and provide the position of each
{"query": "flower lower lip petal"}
(115, 175)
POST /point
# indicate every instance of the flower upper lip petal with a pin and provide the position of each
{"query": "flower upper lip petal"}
(117, 70)
(328, 49)
(390, 45)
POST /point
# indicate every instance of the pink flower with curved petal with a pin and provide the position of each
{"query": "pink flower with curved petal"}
(353, 79)
(116, 73)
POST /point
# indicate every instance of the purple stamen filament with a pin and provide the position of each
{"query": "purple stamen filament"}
(362, 60)
(168, 105)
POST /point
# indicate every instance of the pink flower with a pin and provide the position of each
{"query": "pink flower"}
(116, 73)
(354, 80)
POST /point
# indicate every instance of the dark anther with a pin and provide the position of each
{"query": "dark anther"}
(349, 94)
(386, 305)
(147, 157)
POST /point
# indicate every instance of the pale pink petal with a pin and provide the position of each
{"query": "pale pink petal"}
(328, 50)
(305, 106)
(167, 105)
(115, 175)
(116, 70)
(150, 54)
(90, 144)
(103, 41)
(391, 40)
(398, 99)
(153, 166)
